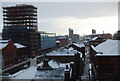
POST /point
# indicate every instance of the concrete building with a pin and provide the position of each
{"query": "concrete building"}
(73, 37)
(20, 25)
(93, 31)
(70, 32)
(48, 41)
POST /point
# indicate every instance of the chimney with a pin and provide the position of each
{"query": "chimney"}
(45, 66)
(45, 63)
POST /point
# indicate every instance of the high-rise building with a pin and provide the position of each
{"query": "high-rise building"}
(70, 32)
(93, 31)
(73, 37)
(20, 25)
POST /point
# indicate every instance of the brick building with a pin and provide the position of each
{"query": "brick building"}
(13, 53)
(105, 61)
(63, 40)
(96, 41)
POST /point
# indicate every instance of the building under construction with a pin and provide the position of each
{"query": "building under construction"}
(20, 25)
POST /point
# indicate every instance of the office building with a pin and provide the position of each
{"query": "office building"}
(48, 41)
(20, 25)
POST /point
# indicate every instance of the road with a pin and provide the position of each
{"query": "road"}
(85, 76)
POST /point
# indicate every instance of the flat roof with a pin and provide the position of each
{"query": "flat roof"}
(32, 73)
(55, 74)
(60, 54)
(107, 54)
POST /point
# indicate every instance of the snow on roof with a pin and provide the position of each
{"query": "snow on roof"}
(55, 64)
(109, 47)
(26, 74)
(61, 37)
(32, 73)
(51, 75)
(108, 55)
(79, 45)
(2, 45)
(59, 54)
(19, 45)
(64, 51)
(4, 41)
(94, 48)
(80, 54)
(57, 41)
(69, 49)
(95, 38)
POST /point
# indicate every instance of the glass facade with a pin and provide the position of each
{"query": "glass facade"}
(48, 40)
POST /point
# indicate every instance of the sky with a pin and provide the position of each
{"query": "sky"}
(82, 17)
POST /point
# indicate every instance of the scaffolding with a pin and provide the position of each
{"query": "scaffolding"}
(20, 25)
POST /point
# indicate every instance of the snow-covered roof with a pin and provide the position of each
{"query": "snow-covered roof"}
(62, 37)
(19, 45)
(2, 45)
(59, 54)
(95, 38)
(94, 48)
(63, 51)
(109, 47)
(32, 73)
(79, 45)
(50, 75)
(108, 55)
(4, 41)
(57, 41)
(28, 73)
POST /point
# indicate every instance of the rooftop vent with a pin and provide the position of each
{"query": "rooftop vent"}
(45, 66)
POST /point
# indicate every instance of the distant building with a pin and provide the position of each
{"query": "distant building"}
(64, 40)
(96, 41)
(20, 25)
(48, 41)
(73, 37)
(116, 36)
(70, 32)
(93, 31)
(104, 36)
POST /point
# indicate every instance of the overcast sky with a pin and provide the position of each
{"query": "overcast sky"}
(82, 17)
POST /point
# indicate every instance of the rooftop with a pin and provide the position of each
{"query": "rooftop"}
(97, 38)
(19, 5)
(2, 45)
(59, 54)
(109, 47)
(32, 73)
